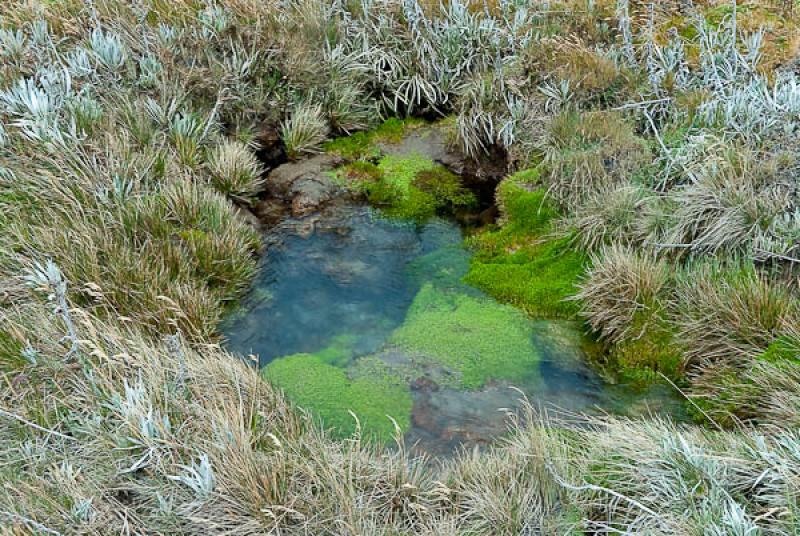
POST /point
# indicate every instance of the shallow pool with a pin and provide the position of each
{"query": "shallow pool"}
(353, 312)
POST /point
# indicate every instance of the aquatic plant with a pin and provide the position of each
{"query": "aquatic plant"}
(470, 336)
(369, 405)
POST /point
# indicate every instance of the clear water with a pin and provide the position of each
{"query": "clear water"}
(349, 272)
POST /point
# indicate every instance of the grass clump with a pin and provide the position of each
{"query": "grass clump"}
(522, 263)
(584, 152)
(731, 313)
(235, 171)
(313, 382)
(625, 298)
(477, 339)
(305, 131)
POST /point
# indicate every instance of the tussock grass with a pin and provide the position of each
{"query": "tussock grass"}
(665, 150)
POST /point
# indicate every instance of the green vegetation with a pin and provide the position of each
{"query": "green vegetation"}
(310, 380)
(124, 416)
(364, 145)
(522, 263)
(474, 337)
(407, 187)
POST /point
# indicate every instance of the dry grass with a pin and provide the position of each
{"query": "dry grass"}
(621, 286)
(731, 313)
(123, 173)
(584, 153)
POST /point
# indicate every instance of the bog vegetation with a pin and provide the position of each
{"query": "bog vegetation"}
(656, 197)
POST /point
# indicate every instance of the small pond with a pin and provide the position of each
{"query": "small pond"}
(352, 311)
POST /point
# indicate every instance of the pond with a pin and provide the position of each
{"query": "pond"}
(354, 312)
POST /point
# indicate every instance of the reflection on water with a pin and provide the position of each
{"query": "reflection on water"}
(350, 275)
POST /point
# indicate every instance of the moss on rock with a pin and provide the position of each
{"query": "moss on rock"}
(474, 337)
(407, 187)
(364, 145)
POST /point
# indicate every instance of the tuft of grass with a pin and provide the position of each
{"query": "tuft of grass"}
(305, 130)
(235, 171)
(731, 313)
(584, 152)
(625, 298)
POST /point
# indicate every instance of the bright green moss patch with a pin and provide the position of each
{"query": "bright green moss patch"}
(363, 145)
(474, 337)
(518, 263)
(407, 187)
(311, 382)
(357, 146)
(445, 267)
(640, 360)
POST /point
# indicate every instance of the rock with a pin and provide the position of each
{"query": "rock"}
(271, 151)
(270, 211)
(281, 180)
(248, 215)
(305, 185)
(423, 383)
(308, 194)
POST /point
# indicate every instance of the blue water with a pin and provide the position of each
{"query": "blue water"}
(351, 272)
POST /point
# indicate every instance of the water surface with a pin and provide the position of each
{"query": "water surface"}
(346, 280)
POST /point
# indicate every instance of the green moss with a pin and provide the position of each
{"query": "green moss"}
(311, 382)
(640, 360)
(363, 145)
(445, 187)
(393, 130)
(356, 146)
(340, 351)
(407, 187)
(539, 278)
(520, 263)
(476, 338)
(444, 267)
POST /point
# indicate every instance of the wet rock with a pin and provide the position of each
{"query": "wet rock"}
(248, 216)
(270, 211)
(423, 383)
(305, 185)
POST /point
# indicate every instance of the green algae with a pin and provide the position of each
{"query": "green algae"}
(521, 263)
(311, 381)
(444, 267)
(473, 336)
